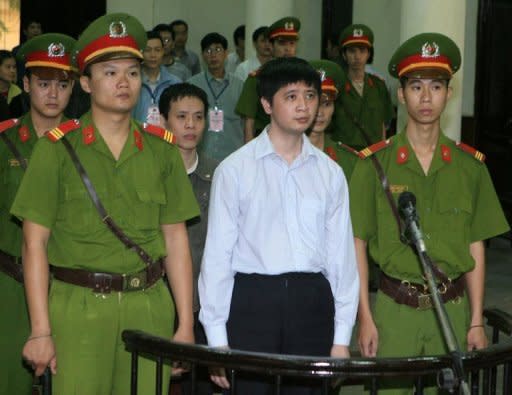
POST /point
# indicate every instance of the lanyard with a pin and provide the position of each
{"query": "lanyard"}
(215, 97)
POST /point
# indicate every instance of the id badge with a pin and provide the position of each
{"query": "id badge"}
(215, 120)
(153, 115)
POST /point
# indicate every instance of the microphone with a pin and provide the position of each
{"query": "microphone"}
(407, 210)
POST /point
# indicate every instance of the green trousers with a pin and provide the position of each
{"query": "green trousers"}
(405, 331)
(87, 328)
(15, 378)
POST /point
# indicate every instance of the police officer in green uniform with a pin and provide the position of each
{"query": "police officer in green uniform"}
(100, 287)
(332, 76)
(283, 36)
(364, 100)
(48, 82)
(456, 203)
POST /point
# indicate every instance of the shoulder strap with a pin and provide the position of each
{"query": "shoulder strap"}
(64, 128)
(157, 131)
(5, 125)
(107, 220)
(471, 151)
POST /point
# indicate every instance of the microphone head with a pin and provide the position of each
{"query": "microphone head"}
(405, 199)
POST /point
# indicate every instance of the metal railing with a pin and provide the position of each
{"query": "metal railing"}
(483, 365)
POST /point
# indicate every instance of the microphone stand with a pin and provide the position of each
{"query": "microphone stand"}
(448, 378)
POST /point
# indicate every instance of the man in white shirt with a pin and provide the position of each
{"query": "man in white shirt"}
(279, 273)
(238, 55)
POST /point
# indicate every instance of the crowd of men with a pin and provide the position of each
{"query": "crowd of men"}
(236, 204)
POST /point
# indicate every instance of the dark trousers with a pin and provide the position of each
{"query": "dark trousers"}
(291, 313)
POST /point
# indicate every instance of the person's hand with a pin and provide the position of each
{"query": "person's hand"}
(476, 338)
(339, 351)
(39, 352)
(218, 376)
(182, 335)
(368, 338)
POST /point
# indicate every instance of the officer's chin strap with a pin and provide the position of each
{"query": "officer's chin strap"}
(447, 379)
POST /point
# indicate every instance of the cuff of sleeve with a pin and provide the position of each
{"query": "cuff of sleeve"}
(342, 334)
(217, 335)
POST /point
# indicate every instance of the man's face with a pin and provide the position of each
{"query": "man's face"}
(263, 46)
(153, 54)
(168, 41)
(48, 96)
(8, 70)
(214, 56)
(293, 108)
(33, 29)
(240, 47)
(425, 99)
(186, 119)
(180, 36)
(283, 48)
(324, 114)
(114, 85)
(356, 56)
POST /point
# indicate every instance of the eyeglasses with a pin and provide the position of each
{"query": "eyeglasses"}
(215, 50)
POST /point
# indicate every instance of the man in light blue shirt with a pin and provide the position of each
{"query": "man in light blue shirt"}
(279, 272)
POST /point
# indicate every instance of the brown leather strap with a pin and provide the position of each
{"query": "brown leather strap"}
(107, 220)
(110, 282)
(417, 295)
(17, 154)
(10, 266)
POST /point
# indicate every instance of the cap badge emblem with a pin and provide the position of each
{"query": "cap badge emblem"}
(358, 32)
(322, 74)
(117, 29)
(56, 50)
(430, 50)
(288, 26)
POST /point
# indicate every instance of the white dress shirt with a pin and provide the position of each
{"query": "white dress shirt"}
(270, 217)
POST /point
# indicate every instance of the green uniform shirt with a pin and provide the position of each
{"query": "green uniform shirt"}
(342, 155)
(249, 105)
(456, 204)
(24, 138)
(145, 188)
(372, 110)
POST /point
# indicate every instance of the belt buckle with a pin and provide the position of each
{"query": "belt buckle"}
(424, 302)
(134, 282)
(102, 283)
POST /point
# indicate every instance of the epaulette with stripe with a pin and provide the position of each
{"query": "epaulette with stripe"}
(348, 148)
(369, 151)
(7, 124)
(471, 151)
(64, 128)
(159, 132)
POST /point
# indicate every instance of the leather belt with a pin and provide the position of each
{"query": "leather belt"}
(417, 295)
(110, 282)
(11, 266)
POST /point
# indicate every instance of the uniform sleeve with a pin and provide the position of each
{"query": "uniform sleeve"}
(387, 104)
(181, 202)
(362, 200)
(488, 219)
(247, 105)
(216, 279)
(341, 263)
(38, 195)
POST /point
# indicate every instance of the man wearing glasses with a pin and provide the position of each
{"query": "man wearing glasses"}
(224, 133)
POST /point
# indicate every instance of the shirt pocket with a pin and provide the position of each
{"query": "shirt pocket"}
(146, 208)
(455, 216)
(312, 225)
(77, 213)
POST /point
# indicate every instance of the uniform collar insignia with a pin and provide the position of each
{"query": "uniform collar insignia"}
(322, 74)
(430, 50)
(402, 155)
(88, 134)
(138, 140)
(24, 133)
(446, 154)
(117, 29)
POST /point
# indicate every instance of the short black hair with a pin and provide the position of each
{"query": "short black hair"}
(163, 27)
(262, 30)
(403, 81)
(154, 35)
(213, 38)
(4, 55)
(281, 72)
(178, 22)
(239, 34)
(177, 92)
